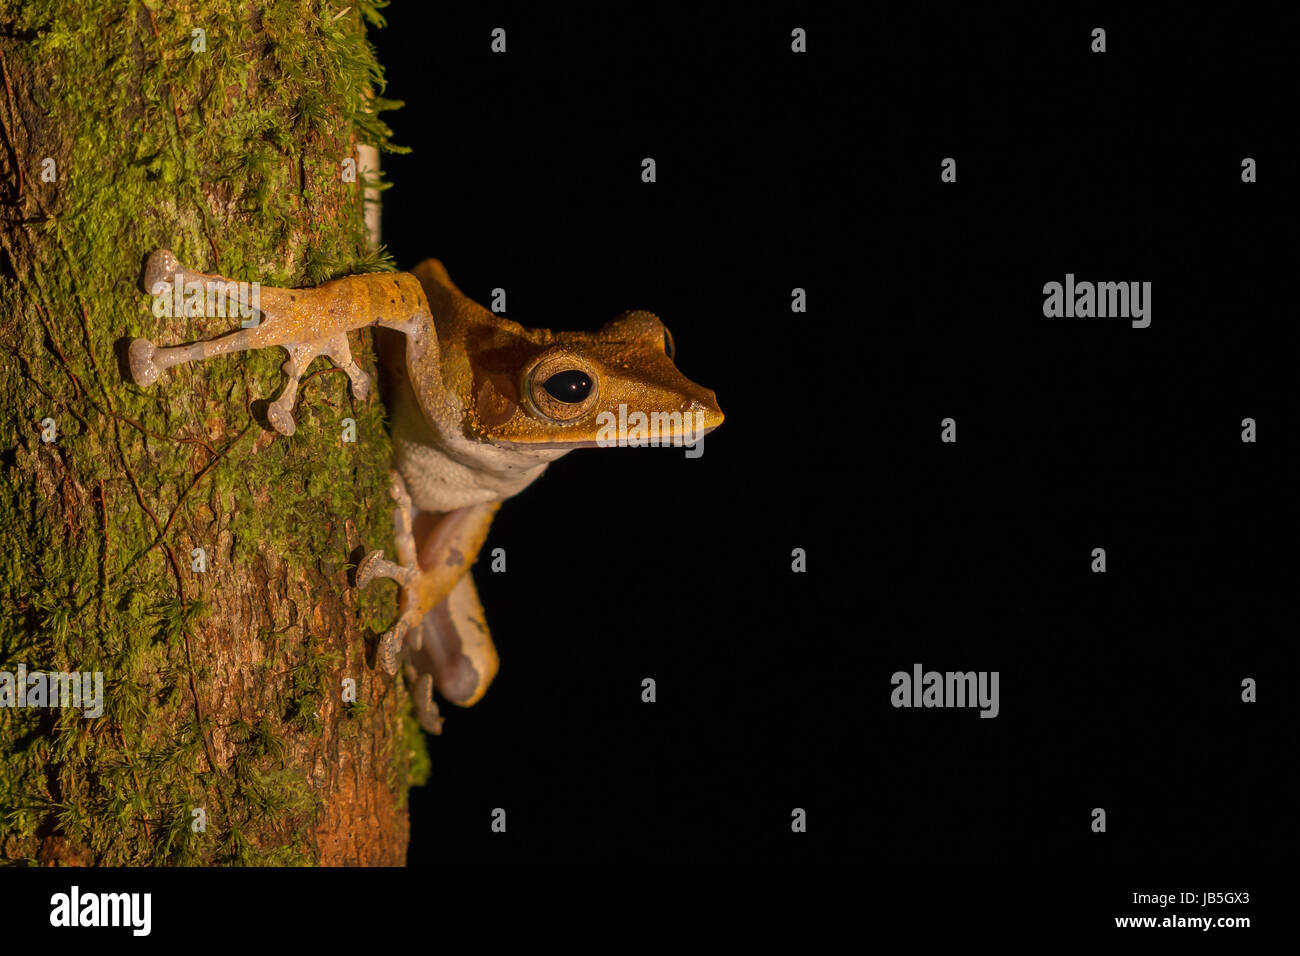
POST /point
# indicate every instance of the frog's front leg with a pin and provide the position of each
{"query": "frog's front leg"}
(305, 322)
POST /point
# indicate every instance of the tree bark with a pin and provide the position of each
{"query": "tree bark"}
(221, 133)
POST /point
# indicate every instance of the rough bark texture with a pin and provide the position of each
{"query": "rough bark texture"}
(124, 130)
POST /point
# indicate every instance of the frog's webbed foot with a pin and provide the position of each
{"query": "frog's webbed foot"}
(304, 322)
(450, 652)
(404, 572)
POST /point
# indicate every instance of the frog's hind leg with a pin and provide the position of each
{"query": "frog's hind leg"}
(447, 648)
(405, 572)
(453, 654)
(440, 624)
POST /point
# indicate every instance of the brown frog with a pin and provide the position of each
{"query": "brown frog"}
(479, 405)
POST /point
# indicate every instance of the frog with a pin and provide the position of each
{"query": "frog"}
(478, 407)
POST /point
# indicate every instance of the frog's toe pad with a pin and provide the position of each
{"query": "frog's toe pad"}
(425, 708)
(281, 418)
(140, 356)
(369, 568)
(390, 645)
(361, 387)
(375, 565)
(160, 269)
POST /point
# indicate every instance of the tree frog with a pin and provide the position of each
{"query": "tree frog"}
(479, 405)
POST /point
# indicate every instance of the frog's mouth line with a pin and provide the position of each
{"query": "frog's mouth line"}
(624, 440)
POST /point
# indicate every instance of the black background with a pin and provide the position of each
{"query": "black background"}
(821, 171)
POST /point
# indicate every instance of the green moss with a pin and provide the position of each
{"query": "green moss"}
(221, 156)
(309, 687)
(420, 766)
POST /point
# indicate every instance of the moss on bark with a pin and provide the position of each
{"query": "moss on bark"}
(122, 133)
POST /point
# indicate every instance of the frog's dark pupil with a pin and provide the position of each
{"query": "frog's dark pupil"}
(570, 387)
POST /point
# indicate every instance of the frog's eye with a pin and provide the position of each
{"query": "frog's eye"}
(561, 388)
(670, 348)
(570, 386)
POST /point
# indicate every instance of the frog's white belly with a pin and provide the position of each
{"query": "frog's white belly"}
(476, 474)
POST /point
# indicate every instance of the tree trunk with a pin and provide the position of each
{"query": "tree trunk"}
(221, 133)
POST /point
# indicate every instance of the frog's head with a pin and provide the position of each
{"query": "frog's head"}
(580, 389)
(538, 389)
